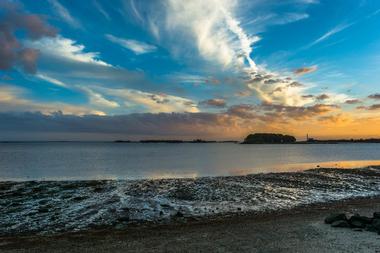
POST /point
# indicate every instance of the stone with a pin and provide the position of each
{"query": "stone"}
(357, 224)
(183, 194)
(358, 221)
(376, 215)
(179, 214)
(357, 229)
(340, 224)
(43, 210)
(335, 217)
(376, 224)
(370, 228)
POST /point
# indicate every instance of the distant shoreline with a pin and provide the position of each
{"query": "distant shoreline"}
(360, 141)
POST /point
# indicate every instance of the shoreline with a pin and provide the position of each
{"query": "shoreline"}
(300, 229)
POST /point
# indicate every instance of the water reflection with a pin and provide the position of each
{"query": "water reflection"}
(76, 161)
(306, 166)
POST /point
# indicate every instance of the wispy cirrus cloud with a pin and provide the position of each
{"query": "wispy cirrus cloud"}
(51, 80)
(328, 34)
(208, 29)
(101, 10)
(138, 47)
(66, 48)
(64, 13)
(261, 22)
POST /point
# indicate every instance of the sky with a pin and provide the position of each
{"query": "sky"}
(175, 69)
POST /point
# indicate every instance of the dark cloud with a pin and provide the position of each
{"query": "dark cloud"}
(235, 121)
(307, 96)
(28, 58)
(352, 101)
(215, 102)
(12, 52)
(160, 99)
(305, 70)
(337, 118)
(323, 97)
(35, 125)
(272, 81)
(242, 111)
(296, 112)
(374, 96)
(369, 108)
(269, 112)
(295, 84)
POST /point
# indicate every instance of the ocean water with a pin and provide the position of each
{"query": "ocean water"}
(83, 161)
(64, 187)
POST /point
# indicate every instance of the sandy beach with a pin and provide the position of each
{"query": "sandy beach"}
(298, 230)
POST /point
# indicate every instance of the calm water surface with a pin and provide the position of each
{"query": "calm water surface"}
(60, 161)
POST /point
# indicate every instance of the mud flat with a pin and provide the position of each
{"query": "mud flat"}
(273, 212)
(301, 229)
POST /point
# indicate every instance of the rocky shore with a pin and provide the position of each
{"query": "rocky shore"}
(356, 222)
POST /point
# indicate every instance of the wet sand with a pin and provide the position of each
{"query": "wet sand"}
(298, 230)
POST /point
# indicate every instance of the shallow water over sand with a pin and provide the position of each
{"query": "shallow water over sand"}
(82, 161)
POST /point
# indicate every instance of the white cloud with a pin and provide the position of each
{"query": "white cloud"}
(66, 48)
(64, 13)
(137, 47)
(12, 99)
(159, 102)
(97, 99)
(208, 28)
(51, 80)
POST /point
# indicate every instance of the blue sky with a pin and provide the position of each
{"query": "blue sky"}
(239, 65)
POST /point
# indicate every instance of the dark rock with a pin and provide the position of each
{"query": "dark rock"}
(79, 198)
(358, 221)
(123, 218)
(43, 202)
(357, 229)
(179, 214)
(183, 194)
(340, 224)
(376, 215)
(43, 210)
(376, 224)
(98, 189)
(335, 217)
(370, 228)
(357, 224)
